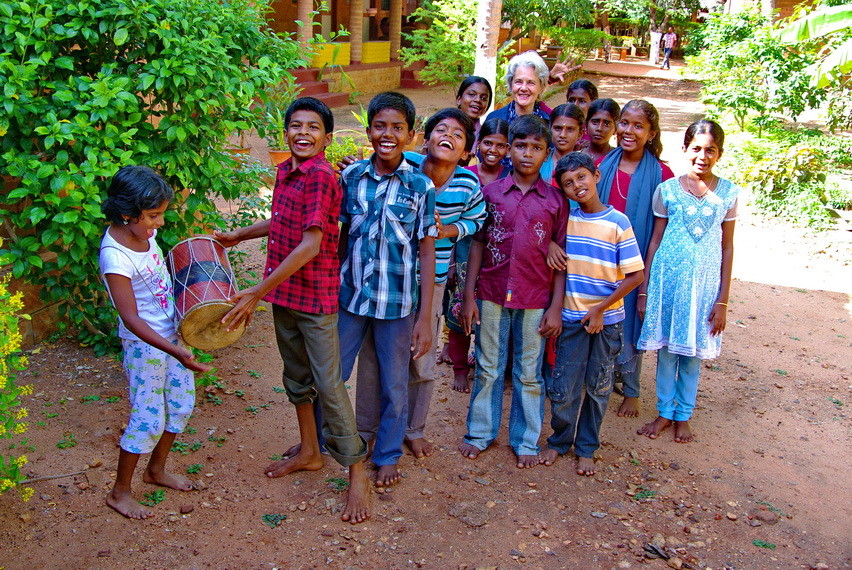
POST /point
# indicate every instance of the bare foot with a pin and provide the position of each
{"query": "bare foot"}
(461, 383)
(682, 432)
(469, 450)
(629, 408)
(444, 357)
(170, 480)
(125, 504)
(654, 428)
(420, 447)
(527, 461)
(548, 456)
(585, 466)
(299, 462)
(292, 451)
(387, 475)
(358, 498)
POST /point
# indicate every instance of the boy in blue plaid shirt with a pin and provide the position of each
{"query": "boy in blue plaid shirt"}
(387, 209)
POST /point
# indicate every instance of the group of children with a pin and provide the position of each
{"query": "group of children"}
(362, 265)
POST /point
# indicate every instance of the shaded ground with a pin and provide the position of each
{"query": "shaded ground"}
(765, 485)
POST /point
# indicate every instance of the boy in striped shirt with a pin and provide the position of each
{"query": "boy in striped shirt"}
(604, 264)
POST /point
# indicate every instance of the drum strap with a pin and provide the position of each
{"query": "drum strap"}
(136, 272)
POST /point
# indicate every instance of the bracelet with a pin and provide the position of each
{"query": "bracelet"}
(643, 295)
(723, 304)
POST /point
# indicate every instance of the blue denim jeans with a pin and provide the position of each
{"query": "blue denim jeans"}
(579, 386)
(677, 384)
(392, 340)
(486, 398)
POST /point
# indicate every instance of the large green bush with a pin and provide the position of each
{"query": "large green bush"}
(92, 85)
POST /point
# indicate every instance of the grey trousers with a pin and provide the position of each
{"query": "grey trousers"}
(421, 381)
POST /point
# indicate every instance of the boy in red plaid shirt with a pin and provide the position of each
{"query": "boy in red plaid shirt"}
(302, 281)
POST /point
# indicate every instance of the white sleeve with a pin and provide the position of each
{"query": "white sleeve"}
(658, 206)
(731, 215)
(113, 260)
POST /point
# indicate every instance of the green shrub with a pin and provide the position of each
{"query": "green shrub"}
(92, 85)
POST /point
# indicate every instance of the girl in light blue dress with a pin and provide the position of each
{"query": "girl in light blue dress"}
(684, 302)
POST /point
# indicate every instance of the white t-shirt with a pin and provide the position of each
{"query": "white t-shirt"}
(152, 284)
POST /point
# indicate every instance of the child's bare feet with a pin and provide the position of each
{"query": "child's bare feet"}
(682, 432)
(585, 466)
(387, 475)
(461, 383)
(469, 450)
(548, 456)
(444, 357)
(654, 428)
(629, 408)
(527, 461)
(358, 498)
(420, 447)
(125, 504)
(170, 480)
(300, 462)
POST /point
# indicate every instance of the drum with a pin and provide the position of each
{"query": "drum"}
(203, 282)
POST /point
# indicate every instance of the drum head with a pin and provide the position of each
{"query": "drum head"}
(201, 328)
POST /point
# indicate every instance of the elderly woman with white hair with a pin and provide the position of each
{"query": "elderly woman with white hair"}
(527, 76)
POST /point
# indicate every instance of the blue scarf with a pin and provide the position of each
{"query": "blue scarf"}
(648, 175)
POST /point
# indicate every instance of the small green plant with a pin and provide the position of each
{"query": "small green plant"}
(634, 461)
(219, 441)
(763, 544)
(254, 373)
(643, 493)
(67, 441)
(194, 468)
(276, 457)
(339, 484)
(239, 393)
(780, 372)
(213, 399)
(180, 447)
(278, 389)
(195, 446)
(835, 401)
(253, 410)
(273, 520)
(771, 507)
(53, 415)
(90, 399)
(40, 424)
(112, 399)
(154, 498)
(191, 430)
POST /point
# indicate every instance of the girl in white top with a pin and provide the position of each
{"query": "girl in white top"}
(158, 367)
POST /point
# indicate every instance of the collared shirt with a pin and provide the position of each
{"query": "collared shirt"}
(516, 235)
(387, 216)
(670, 39)
(458, 202)
(601, 250)
(306, 197)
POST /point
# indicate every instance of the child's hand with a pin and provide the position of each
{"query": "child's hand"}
(556, 257)
(186, 358)
(227, 239)
(346, 161)
(718, 319)
(593, 320)
(245, 302)
(452, 277)
(641, 305)
(421, 339)
(551, 323)
(469, 315)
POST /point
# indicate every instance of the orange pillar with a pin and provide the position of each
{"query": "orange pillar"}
(356, 29)
(303, 14)
(395, 18)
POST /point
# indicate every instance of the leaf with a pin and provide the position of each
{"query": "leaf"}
(120, 36)
(817, 23)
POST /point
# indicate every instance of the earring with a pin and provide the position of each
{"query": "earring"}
(124, 221)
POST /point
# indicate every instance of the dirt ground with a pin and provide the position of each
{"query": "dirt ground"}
(766, 484)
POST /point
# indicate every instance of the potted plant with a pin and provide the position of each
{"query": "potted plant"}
(271, 123)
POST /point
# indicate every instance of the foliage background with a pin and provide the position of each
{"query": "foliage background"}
(92, 85)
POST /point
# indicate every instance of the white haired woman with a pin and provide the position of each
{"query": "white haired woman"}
(527, 76)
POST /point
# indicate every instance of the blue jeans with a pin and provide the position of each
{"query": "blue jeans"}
(392, 339)
(677, 384)
(579, 386)
(486, 398)
(668, 53)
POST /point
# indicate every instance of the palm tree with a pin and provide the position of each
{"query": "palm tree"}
(835, 61)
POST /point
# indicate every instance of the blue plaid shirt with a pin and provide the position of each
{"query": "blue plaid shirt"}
(387, 217)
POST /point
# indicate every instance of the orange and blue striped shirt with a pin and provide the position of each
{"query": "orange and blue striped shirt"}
(601, 250)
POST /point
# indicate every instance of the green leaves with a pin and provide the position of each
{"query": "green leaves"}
(91, 86)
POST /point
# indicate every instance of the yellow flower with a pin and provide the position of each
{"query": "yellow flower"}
(2, 429)
(27, 493)
(20, 461)
(2, 380)
(6, 484)
(21, 428)
(26, 390)
(22, 413)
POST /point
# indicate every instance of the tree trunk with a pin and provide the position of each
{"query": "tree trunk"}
(487, 32)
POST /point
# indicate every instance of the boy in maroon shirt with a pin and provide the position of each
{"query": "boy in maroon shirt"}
(509, 289)
(302, 281)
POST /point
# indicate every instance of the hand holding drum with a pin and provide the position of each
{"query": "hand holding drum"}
(204, 287)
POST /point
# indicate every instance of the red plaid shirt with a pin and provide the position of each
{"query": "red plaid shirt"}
(307, 197)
